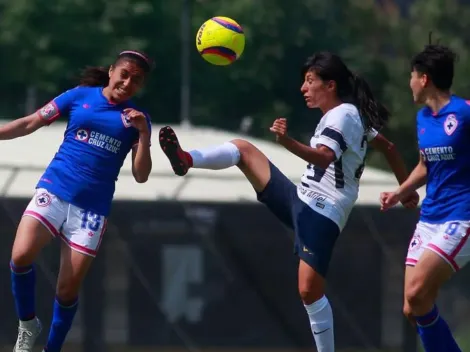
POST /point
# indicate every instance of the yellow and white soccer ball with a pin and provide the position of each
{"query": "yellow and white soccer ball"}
(220, 41)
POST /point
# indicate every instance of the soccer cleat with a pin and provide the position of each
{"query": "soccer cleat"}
(180, 160)
(28, 331)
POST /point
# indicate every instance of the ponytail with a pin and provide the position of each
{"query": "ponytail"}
(373, 113)
(94, 77)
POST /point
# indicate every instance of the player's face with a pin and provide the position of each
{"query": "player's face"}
(316, 91)
(418, 83)
(125, 80)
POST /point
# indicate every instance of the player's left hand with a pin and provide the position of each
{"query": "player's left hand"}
(137, 119)
(279, 127)
(411, 201)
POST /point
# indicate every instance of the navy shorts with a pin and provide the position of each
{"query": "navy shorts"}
(315, 234)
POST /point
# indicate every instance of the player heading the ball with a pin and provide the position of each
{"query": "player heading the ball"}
(73, 196)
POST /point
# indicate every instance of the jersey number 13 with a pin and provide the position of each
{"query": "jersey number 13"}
(318, 172)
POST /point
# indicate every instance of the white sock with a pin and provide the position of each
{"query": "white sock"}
(216, 158)
(321, 323)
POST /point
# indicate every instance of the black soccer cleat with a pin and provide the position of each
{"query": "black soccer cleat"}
(179, 159)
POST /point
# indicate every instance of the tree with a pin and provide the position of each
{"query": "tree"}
(265, 83)
(409, 36)
(44, 45)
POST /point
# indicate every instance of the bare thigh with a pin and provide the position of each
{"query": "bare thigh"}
(409, 271)
(423, 282)
(254, 164)
(31, 237)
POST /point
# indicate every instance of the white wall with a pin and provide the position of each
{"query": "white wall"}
(32, 154)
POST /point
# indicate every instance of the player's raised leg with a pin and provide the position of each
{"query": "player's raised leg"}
(31, 237)
(421, 289)
(73, 268)
(251, 161)
(279, 194)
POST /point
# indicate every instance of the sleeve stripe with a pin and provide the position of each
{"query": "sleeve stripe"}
(335, 136)
(49, 112)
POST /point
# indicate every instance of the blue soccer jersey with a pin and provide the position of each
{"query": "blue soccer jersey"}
(96, 142)
(444, 143)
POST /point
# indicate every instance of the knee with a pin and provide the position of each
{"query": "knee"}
(407, 311)
(30, 238)
(67, 290)
(245, 148)
(416, 294)
(21, 258)
(310, 293)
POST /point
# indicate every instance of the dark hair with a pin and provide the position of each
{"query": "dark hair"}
(350, 88)
(95, 76)
(437, 62)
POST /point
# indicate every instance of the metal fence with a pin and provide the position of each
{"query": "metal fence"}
(220, 277)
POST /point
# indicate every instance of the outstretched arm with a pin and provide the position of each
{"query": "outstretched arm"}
(394, 159)
(21, 127)
(42, 117)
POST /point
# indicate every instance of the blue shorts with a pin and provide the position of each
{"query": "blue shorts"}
(315, 234)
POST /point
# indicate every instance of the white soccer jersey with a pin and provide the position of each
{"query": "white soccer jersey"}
(333, 191)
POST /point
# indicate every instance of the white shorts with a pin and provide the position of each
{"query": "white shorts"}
(81, 230)
(448, 240)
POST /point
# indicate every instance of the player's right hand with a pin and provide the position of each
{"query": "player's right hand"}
(388, 200)
(279, 128)
(138, 120)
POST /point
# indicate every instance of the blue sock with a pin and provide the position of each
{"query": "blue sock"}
(435, 333)
(61, 323)
(23, 282)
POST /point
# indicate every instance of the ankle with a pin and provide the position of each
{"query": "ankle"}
(188, 158)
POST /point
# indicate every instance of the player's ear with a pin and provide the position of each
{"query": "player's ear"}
(424, 80)
(110, 71)
(330, 85)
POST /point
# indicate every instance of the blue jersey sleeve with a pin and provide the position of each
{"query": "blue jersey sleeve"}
(59, 106)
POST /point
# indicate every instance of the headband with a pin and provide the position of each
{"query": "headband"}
(148, 61)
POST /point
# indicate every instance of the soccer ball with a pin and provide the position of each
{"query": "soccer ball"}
(220, 41)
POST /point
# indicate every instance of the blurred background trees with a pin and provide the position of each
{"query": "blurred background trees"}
(44, 45)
